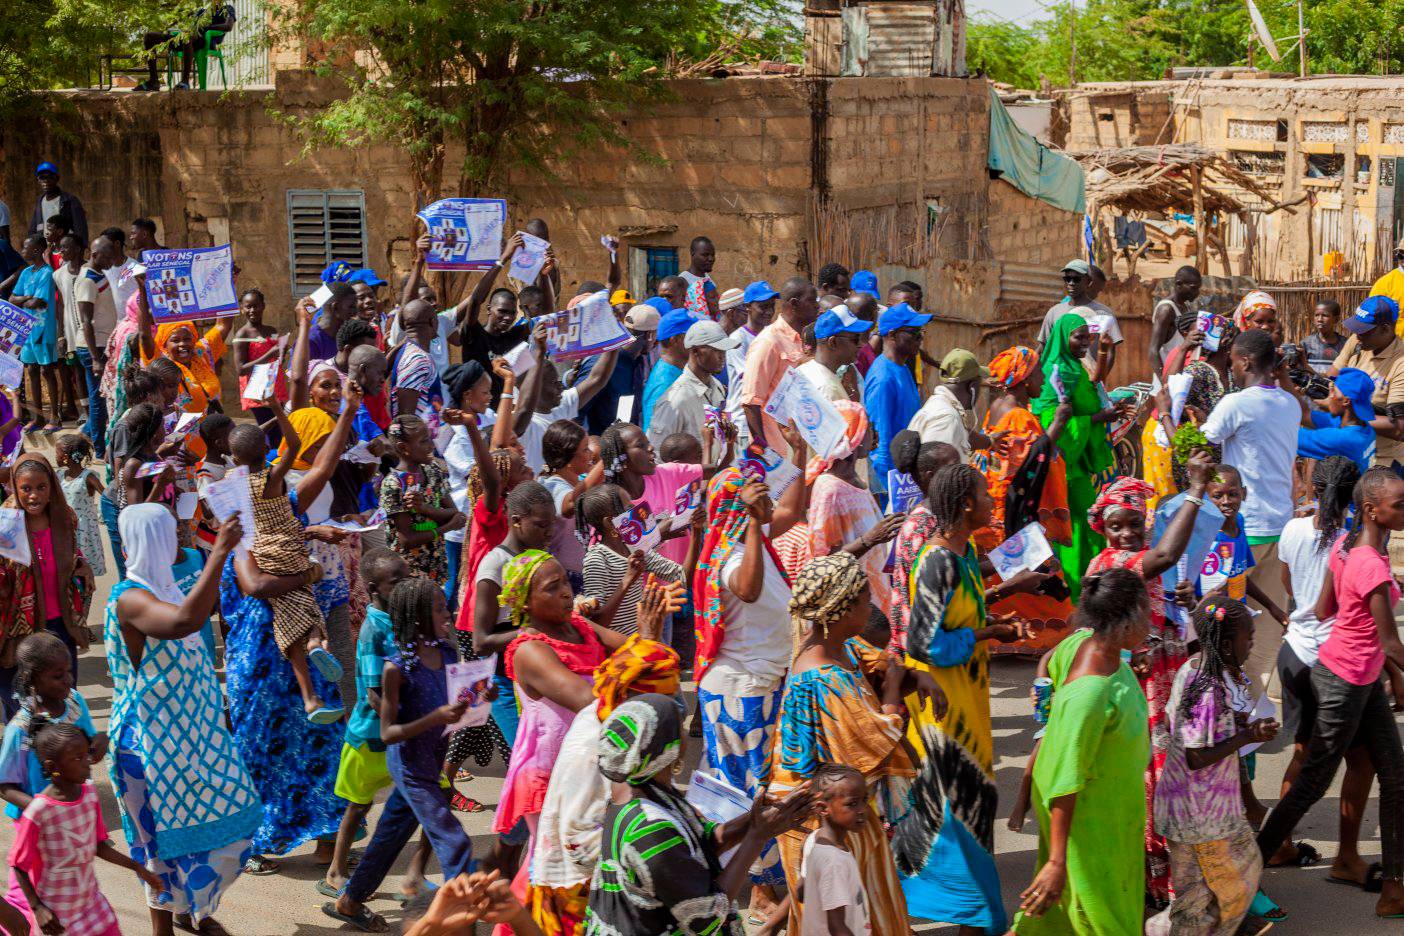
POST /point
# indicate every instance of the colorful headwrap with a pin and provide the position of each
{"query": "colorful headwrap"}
(199, 375)
(826, 588)
(641, 739)
(640, 666)
(516, 583)
(1250, 304)
(854, 433)
(1012, 366)
(1121, 494)
(727, 520)
(313, 424)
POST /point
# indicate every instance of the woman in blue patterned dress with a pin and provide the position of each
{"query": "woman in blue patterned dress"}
(188, 804)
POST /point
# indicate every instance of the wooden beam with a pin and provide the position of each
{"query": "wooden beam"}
(1201, 226)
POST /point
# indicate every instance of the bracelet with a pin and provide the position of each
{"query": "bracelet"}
(1196, 501)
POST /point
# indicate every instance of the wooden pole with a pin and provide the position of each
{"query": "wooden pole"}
(1301, 40)
(1201, 226)
(1072, 42)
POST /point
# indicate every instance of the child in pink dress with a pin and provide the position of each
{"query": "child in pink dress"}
(51, 861)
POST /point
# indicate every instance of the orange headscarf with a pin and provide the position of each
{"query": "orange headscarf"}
(200, 378)
(639, 666)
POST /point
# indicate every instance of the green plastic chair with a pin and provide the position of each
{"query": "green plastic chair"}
(203, 54)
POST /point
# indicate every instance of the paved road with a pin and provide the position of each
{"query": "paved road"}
(286, 903)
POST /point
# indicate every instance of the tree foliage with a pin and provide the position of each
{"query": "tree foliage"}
(1140, 39)
(493, 85)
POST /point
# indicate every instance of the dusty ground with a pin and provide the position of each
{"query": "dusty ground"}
(286, 904)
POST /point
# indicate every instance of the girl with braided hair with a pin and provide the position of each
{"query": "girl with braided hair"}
(1305, 550)
(1199, 799)
(1352, 704)
(945, 852)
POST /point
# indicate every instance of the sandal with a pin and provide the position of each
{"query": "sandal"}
(325, 663)
(260, 866)
(1265, 908)
(326, 890)
(402, 898)
(464, 775)
(465, 804)
(1307, 856)
(53, 427)
(1373, 883)
(326, 715)
(365, 919)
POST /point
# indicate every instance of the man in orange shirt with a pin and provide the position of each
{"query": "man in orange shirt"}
(775, 349)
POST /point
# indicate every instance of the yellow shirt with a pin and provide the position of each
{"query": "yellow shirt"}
(1392, 285)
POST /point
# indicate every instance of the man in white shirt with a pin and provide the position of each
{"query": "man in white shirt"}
(1257, 427)
(1083, 282)
(948, 415)
(559, 402)
(759, 302)
(838, 334)
(121, 275)
(683, 407)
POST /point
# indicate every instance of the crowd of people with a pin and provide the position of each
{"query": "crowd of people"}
(423, 495)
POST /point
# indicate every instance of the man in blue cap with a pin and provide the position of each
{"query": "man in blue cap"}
(672, 331)
(758, 302)
(889, 390)
(838, 334)
(1374, 348)
(369, 307)
(1344, 426)
(865, 282)
(54, 200)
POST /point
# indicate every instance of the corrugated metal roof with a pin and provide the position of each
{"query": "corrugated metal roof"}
(1026, 282)
(901, 38)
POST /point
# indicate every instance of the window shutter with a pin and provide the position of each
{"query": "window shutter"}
(323, 226)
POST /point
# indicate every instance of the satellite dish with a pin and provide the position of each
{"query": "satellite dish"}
(1261, 29)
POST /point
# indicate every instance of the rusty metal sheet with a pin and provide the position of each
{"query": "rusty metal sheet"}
(901, 39)
(1026, 282)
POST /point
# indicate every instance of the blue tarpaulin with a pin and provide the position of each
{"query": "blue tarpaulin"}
(1031, 167)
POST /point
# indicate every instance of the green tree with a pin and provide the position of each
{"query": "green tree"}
(493, 85)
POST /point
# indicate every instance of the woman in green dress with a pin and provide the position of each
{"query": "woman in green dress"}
(1083, 440)
(1088, 777)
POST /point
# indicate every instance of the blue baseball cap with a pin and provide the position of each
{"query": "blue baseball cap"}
(338, 271)
(898, 316)
(839, 319)
(1375, 310)
(864, 281)
(367, 276)
(675, 323)
(44, 167)
(759, 291)
(1358, 387)
(662, 305)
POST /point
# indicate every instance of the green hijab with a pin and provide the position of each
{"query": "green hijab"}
(1083, 442)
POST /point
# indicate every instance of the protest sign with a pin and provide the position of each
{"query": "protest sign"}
(464, 233)
(15, 326)
(586, 330)
(230, 496)
(1026, 550)
(14, 536)
(1207, 524)
(261, 380)
(468, 681)
(638, 528)
(528, 259)
(771, 467)
(902, 492)
(195, 283)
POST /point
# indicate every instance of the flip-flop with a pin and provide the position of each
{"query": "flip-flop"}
(1265, 908)
(261, 866)
(326, 890)
(402, 898)
(326, 715)
(1373, 883)
(464, 776)
(53, 427)
(1307, 856)
(326, 664)
(364, 919)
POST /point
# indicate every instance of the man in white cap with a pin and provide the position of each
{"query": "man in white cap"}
(733, 309)
(1083, 281)
(838, 333)
(629, 375)
(682, 407)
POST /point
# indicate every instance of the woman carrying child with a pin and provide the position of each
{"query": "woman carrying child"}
(1121, 515)
(52, 592)
(1198, 800)
(189, 807)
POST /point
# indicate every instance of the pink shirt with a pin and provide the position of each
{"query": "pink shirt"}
(1353, 651)
(775, 350)
(48, 573)
(660, 493)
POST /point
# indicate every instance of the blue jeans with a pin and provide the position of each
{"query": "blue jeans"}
(109, 520)
(504, 710)
(455, 557)
(96, 426)
(392, 833)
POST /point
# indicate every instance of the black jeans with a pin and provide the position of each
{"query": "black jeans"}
(1346, 715)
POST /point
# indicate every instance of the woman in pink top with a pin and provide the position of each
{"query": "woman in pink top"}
(1353, 705)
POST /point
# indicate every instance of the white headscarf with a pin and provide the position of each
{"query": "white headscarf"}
(148, 533)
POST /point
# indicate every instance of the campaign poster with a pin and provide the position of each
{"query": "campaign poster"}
(464, 233)
(638, 528)
(588, 329)
(902, 492)
(194, 283)
(529, 259)
(15, 326)
(686, 502)
(771, 467)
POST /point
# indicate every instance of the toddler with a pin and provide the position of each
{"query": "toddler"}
(81, 486)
